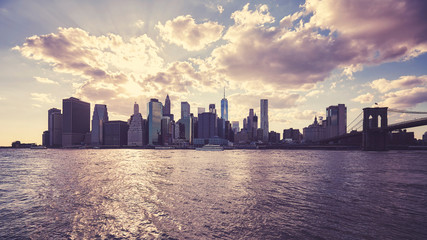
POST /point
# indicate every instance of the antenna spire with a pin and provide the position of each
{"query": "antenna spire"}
(224, 91)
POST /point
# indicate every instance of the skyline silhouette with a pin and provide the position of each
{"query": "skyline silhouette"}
(301, 55)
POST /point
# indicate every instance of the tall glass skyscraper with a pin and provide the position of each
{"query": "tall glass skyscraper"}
(100, 116)
(264, 118)
(167, 108)
(224, 108)
(155, 114)
(185, 110)
(336, 120)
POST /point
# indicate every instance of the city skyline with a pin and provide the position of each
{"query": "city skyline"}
(302, 56)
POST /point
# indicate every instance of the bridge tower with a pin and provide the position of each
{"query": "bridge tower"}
(374, 137)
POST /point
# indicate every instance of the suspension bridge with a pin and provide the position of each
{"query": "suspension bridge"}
(371, 128)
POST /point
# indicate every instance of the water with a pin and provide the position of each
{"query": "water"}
(236, 194)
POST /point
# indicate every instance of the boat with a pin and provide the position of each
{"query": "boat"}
(38, 147)
(211, 147)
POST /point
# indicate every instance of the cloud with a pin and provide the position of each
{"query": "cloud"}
(220, 9)
(383, 85)
(45, 80)
(405, 98)
(364, 98)
(42, 97)
(183, 31)
(314, 93)
(309, 45)
(139, 23)
(2, 98)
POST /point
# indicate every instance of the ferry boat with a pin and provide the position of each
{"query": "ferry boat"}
(210, 147)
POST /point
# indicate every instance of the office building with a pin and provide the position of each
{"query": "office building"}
(264, 119)
(336, 120)
(314, 132)
(235, 126)
(115, 133)
(54, 128)
(137, 128)
(207, 125)
(292, 135)
(45, 139)
(166, 131)
(167, 109)
(155, 114)
(224, 108)
(212, 108)
(185, 110)
(100, 116)
(76, 121)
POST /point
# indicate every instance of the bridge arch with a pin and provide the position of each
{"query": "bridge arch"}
(374, 129)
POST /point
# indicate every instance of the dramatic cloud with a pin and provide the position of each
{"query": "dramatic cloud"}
(139, 24)
(364, 98)
(405, 98)
(45, 80)
(341, 35)
(383, 85)
(411, 90)
(183, 31)
(42, 97)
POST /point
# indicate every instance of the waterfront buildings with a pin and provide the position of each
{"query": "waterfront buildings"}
(54, 128)
(155, 114)
(315, 132)
(76, 121)
(292, 135)
(100, 116)
(115, 133)
(137, 128)
(336, 120)
(264, 118)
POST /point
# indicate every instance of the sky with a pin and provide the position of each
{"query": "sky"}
(302, 56)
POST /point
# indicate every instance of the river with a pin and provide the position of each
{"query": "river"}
(234, 194)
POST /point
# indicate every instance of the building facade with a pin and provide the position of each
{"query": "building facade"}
(76, 121)
(137, 128)
(264, 118)
(155, 114)
(115, 133)
(100, 116)
(224, 108)
(336, 120)
(54, 128)
(185, 110)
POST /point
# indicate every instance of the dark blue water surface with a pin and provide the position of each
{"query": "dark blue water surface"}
(236, 194)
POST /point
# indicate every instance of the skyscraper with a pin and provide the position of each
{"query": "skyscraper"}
(137, 128)
(235, 127)
(207, 125)
(155, 114)
(167, 108)
(212, 108)
(185, 110)
(264, 118)
(76, 121)
(336, 120)
(55, 127)
(115, 133)
(224, 108)
(100, 116)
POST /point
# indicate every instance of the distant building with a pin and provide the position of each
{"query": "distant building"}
(115, 133)
(264, 118)
(292, 134)
(314, 132)
(185, 110)
(207, 125)
(100, 116)
(425, 137)
(224, 108)
(235, 126)
(76, 121)
(336, 120)
(212, 108)
(137, 128)
(54, 128)
(402, 138)
(273, 137)
(167, 108)
(166, 131)
(155, 114)
(45, 139)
